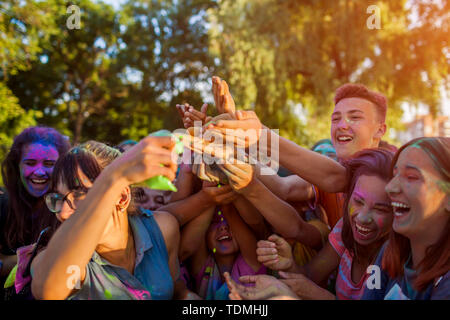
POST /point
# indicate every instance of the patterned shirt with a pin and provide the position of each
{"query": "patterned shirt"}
(346, 289)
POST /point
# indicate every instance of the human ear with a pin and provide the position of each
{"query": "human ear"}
(381, 131)
(125, 198)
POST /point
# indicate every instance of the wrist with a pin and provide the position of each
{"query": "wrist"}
(205, 198)
(250, 188)
(113, 176)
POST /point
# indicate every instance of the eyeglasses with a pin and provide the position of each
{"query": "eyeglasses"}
(55, 201)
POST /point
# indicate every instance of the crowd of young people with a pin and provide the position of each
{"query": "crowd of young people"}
(352, 218)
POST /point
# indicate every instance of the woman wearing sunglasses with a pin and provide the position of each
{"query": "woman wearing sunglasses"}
(105, 248)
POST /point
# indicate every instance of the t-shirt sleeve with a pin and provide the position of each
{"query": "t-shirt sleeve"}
(335, 238)
(441, 290)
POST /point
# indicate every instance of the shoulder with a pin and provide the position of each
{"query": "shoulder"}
(166, 221)
(169, 227)
(335, 238)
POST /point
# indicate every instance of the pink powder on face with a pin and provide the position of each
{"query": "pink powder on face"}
(37, 163)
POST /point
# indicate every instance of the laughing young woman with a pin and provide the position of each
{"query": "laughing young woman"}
(416, 260)
(116, 255)
(26, 172)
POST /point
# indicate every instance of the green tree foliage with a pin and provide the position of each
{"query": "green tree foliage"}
(23, 24)
(13, 119)
(114, 78)
(75, 75)
(166, 55)
(120, 75)
(277, 54)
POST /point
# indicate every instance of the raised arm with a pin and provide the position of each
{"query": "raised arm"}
(251, 216)
(319, 170)
(290, 188)
(193, 235)
(244, 236)
(187, 209)
(282, 216)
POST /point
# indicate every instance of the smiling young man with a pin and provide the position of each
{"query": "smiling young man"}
(358, 120)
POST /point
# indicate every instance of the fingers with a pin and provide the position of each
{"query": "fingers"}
(265, 244)
(272, 259)
(227, 99)
(204, 108)
(180, 110)
(279, 241)
(241, 170)
(195, 114)
(266, 251)
(232, 286)
(248, 279)
(162, 171)
(216, 93)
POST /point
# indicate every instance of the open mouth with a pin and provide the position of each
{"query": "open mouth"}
(223, 238)
(344, 139)
(400, 208)
(363, 231)
(39, 181)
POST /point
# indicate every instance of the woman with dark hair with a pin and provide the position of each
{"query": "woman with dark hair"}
(415, 262)
(26, 173)
(102, 250)
(353, 244)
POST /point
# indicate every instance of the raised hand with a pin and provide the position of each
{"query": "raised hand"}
(189, 114)
(218, 195)
(275, 253)
(247, 121)
(239, 175)
(152, 156)
(265, 287)
(222, 97)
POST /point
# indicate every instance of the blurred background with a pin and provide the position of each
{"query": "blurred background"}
(121, 73)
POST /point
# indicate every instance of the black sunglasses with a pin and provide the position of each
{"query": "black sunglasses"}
(55, 201)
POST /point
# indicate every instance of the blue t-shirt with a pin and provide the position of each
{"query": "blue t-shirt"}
(402, 287)
(151, 278)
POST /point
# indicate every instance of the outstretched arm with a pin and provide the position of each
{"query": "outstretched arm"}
(193, 235)
(187, 209)
(290, 188)
(319, 170)
(281, 215)
(251, 216)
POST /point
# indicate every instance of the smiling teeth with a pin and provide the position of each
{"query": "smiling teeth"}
(344, 138)
(399, 205)
(39, 181)
(223, 238)
(362, 229)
